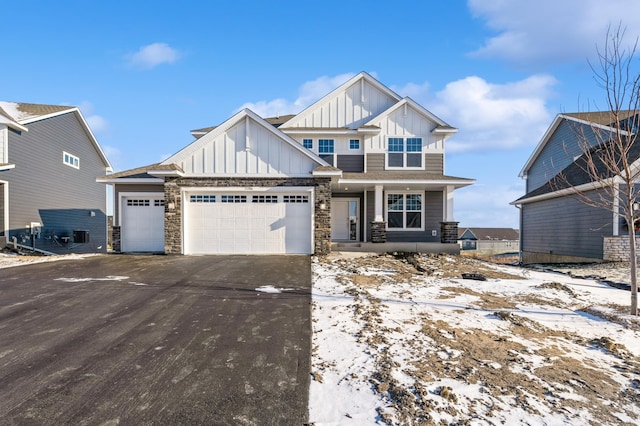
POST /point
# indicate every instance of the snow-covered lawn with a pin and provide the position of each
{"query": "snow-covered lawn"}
(396, 345)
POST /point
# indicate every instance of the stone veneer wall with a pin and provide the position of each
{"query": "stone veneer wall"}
(449, 232)
(616, 249)
(378, 232)
(173, 216)
(115, 239)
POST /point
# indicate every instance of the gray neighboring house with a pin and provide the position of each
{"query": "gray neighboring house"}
(361, 167)
(489, 240)
(49, 197)
(555, 226)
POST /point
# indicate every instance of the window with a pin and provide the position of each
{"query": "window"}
(404, 153)
(202, 198)
(137, 203)
(296, 198)
(233, 198)
(404, 211)
(264, 199)
(307, 143)
(354, 144)
(325, 146)
(158, 203)
(70, 160)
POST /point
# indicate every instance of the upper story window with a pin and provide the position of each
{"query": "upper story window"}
(354, 144)
(404, 153)
(307, 143)
(325, 146)
(70, 160)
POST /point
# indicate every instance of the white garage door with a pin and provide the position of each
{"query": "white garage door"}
(142, 225)
(247, 223)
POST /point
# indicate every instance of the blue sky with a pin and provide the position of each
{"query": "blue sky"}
(144, 73)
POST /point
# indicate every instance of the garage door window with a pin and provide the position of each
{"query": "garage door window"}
(137, 203)
(264, 199)
(296, 199)
(202, 198)
(233, 198)
(158, 203)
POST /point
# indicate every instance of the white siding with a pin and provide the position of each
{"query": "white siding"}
(247, 149)
(350, 108)
(405, 122)
(3, 145)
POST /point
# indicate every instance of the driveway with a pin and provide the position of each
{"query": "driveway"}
(122, 339)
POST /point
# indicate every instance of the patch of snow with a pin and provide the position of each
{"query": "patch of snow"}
(271, 289)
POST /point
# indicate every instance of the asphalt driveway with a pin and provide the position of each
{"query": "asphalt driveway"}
(121, 339)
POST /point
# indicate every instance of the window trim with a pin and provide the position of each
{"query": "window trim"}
(404, 211)
(70, 160)
(404, 153)
(352, 142)
(307, 143)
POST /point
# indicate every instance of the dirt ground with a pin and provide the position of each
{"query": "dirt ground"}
(446, 351)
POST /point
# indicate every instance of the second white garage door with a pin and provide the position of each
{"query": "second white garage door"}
(247, 223)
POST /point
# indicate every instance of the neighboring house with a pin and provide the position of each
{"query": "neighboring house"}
(489, 240)
(49, 197)
(555, 226)
(361, 165)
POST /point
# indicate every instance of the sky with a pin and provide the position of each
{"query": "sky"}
(145, 73)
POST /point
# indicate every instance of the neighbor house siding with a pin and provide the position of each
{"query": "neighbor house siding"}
(560, 150)
(576, 229)
(62, 198)
(351, 163)
(3, 145)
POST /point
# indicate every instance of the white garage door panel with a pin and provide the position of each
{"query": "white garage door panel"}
(216, 227)
(142, 224)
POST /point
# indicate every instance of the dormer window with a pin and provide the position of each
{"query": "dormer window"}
(70, 160)
(404, 153)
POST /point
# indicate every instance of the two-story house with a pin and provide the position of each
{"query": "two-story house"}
(361, 165)
(49, 197)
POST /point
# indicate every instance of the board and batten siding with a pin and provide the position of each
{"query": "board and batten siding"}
(234, 152)
(44, 189)
(565, 226)
(350, 108)
(434, 163)
(433, 214)
(559, 151)
(405, 122)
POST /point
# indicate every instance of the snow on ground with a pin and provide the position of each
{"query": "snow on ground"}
(408, 341)
(9, 259)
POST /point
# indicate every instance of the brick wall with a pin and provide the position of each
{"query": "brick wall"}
(616, 249)
(173, 207)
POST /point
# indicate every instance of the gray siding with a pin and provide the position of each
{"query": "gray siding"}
(566, 227)
(43, 189)
(432, 217)
(434, 163)
(558, 153)
(131, 188)
(351, 163)
(2, 207)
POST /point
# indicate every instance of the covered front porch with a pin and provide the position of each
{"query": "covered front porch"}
(389, 213)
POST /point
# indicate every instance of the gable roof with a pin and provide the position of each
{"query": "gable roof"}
(274, 121)
(363, 77)
(18, 114)
(441, 126)
(498, 234)
(245, 113)
(599, 119)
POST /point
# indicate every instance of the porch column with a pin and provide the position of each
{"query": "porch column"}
(378, 204)
(379, 226)
(448, 204)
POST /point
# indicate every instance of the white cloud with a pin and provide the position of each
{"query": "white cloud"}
(488, 205)
(309, 92)
(97, 123)
(543, 31)
(494, 116)
(154, 54)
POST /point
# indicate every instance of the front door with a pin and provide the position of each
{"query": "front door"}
(345, 219)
